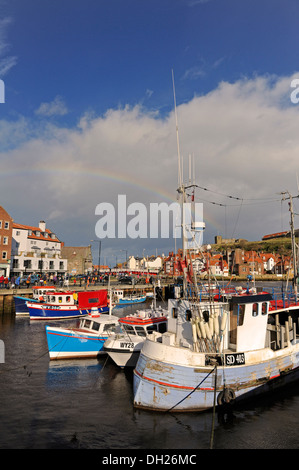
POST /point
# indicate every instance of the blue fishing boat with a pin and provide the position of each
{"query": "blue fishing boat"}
(38, 292)
(63, 305)
(121, 300)
(83, 341)
(132, 299)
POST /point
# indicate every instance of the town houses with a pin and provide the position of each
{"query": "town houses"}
(238, 262)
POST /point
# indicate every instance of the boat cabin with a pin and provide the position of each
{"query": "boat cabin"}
(236, 324)
(83, 299)
(143, 326)
(40, 291)
(60, 298)
(98, 325)
(248, 322)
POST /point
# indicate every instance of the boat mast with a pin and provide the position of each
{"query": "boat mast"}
(181, 190)
(291, 209)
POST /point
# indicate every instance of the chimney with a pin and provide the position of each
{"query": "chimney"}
(42, 226)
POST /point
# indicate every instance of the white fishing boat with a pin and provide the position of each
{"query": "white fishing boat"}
(217, 352)
(124, 348)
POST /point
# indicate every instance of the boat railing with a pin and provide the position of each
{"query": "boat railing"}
(281, 298)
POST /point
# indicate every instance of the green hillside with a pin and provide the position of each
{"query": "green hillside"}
(282, 246)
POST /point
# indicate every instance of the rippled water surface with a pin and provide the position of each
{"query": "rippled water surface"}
(88, 404)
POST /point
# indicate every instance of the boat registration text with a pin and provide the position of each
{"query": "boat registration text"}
(234, 359)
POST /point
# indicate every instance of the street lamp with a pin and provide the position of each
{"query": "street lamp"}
(100, 246)
(126, 251)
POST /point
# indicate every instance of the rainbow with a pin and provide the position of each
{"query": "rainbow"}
(110, 175)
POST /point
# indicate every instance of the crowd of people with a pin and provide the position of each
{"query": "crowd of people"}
(15, 282)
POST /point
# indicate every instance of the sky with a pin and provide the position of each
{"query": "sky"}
(89, 114)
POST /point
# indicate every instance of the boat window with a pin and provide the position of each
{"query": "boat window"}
(109, 327)
(53, 298)
(68, 298)
(140, 331)
(241, 311)
(94, 300)
(174, 312)
(264, 308)
(129, 329)
(162, 327)
(151, 328)
(95, 326)
(60, 300)
(87, 323)
(188, 315)
(255, 310)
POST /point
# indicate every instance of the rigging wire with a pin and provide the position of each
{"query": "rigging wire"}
(233, 197)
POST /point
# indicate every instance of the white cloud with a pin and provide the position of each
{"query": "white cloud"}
(244, 136)
(7, 62)
(56, 107)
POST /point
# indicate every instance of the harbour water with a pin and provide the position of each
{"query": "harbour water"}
(88, 404)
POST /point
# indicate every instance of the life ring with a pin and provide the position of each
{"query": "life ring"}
(226, 397)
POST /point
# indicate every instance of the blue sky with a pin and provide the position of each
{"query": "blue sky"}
(88, 91)
(101, 54)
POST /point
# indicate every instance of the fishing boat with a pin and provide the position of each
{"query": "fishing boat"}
(83, 341)
(217, 352)
(124, 348)
(37, 294)
(65, 305)
(121, 300)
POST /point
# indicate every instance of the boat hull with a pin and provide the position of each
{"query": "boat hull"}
(47, 312)
(70, 344)
(21, 304)
(128, 301)
(124, 352)
(177, 382)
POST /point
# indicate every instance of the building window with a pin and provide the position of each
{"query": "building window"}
(6, 225)
(4, 254)
(0, 223)
(5, 240)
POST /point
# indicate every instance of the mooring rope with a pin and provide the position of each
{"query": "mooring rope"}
(192, 391)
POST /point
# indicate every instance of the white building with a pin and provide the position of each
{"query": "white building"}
(153, 263)
(36, 250)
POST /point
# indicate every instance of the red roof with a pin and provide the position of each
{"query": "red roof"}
(37, 229)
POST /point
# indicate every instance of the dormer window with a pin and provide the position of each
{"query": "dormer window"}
(46, 235)
(37, 234)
